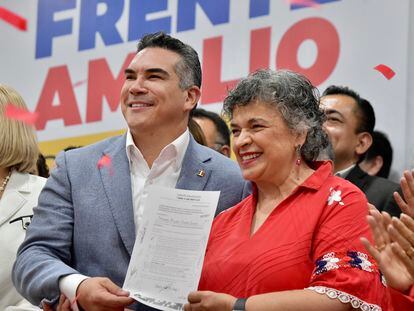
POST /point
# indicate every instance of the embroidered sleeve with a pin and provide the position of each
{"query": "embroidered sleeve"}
(340, 260)
(350, 259)
(345, 298)
(348, 277)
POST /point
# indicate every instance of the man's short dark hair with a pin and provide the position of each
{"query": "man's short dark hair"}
(365, 113)
(42, 168)
(221, 126)
(188, 69)
(381, 146)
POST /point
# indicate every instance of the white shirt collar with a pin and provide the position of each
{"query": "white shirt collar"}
(175, 149)
(343, 173)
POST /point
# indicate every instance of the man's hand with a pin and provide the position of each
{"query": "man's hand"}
(102, 294)
(64, 305)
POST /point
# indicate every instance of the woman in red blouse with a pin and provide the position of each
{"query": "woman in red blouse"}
(294, 243)
(394, 250)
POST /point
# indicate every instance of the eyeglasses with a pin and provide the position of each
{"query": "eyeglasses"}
(25, 220)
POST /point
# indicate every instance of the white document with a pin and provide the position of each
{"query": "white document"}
(169, 248)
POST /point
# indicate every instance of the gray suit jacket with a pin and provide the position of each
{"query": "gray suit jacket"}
(84, 221)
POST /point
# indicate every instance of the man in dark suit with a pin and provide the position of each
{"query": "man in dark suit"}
(83, 231)
(350, 124)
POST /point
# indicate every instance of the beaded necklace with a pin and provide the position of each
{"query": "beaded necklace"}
(4, 184)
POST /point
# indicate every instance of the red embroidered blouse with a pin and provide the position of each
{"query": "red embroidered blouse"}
(401, 301)
(310, 240)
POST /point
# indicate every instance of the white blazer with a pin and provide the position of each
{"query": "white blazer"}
(19, 198)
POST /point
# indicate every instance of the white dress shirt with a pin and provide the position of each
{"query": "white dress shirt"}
(164, 172)
(343, 173)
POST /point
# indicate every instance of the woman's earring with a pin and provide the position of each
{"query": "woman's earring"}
(298, 161)
(298, 156)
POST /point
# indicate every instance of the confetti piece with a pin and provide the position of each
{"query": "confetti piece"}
(13, 19)
(304, 3)
(106, 161)
(15, 113)
(385, 70)
(79, 83)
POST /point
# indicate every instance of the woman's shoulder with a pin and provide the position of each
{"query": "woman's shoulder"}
(27, 177)
(235, 211)
(345, 186)
(342, 199)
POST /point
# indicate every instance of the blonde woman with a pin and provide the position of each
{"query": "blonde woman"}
(18, 193)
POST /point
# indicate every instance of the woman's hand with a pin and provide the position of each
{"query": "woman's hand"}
(402, 232)
(206, 300)
(385, 251)
(394, 238)
(407, 187)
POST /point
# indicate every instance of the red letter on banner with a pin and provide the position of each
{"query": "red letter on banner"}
(259, 49)
(101, 83)
(325, 36)
(57, 82)
(214, 90)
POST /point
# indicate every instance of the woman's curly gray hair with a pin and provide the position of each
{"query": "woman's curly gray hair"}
(293, 95)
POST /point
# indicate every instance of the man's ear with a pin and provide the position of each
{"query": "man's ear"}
(364, 142)
(225, 150)
(373, 166)
(192, 96)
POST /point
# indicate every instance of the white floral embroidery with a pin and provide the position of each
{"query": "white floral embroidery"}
(365, 264)
(350, 259)
(331, 261)
(335, 196)
(345, 298)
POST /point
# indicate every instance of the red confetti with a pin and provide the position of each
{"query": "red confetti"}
(385, 70)
(307, 3)
(13, 19)
(79, 83)
(105, 161)
(20, 114)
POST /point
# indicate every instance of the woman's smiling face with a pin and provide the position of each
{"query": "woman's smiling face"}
(262, 142)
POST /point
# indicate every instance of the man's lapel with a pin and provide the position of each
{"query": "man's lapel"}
(117, 184)
(358, 177)
(194, 172)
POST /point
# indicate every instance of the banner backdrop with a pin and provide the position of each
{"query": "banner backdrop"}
(69, 64)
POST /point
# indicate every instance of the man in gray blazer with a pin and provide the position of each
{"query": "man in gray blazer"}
(83, 231)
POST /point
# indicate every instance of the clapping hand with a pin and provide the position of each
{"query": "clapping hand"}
(394, 238)
(407, 187)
